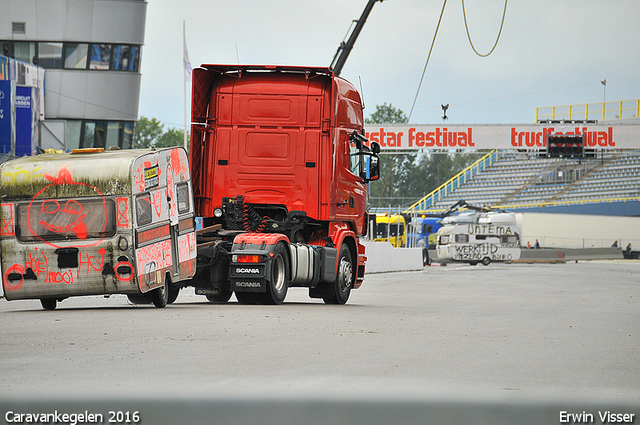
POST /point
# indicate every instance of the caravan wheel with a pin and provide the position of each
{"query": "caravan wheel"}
(160, 296)
(49, 303)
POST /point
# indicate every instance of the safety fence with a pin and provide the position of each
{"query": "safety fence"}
(590, 111)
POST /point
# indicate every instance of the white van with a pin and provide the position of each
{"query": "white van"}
(479, 238)
(94, 222)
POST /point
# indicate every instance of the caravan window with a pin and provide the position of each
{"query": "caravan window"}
(66, 219)
(462, 238)
(509, 239)
(182, 192)
(143, 209)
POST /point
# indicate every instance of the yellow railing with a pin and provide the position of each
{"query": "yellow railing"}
(453, 183)
(591, 111)
(559, 203)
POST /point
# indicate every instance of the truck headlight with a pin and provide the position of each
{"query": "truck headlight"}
(217, 212)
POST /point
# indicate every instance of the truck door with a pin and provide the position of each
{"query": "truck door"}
(350, 194)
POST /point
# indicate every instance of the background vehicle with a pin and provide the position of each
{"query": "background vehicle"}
(391, 229)
(279, 165)
(476, 237)
(423, 233)
(97, 222)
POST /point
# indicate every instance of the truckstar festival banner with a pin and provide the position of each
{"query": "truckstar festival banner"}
(499, 136)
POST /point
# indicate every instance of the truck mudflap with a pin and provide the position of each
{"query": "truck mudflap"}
(251, 265)
(251, 255)
(362, 261)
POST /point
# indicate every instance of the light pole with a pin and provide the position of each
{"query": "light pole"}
(604, 84)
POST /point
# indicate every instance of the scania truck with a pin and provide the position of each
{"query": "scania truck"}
(280, 167)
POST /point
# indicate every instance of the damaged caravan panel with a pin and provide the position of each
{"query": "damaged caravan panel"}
(479, 237)
(97, 222)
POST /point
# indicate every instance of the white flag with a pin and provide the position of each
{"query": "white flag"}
(185, 60)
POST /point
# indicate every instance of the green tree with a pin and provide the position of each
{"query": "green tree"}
(150, 133)
(394, 167)
(405, 178)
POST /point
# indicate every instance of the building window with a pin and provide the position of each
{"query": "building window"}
(100, 56)
(75, 55)
(57, 55)
(98, 134)
(24, 51)
(126, 58)
(50, 55)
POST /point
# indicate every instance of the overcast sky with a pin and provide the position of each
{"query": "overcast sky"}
(550, 53)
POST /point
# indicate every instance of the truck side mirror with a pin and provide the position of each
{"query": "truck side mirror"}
(372, 167)
(364, 160)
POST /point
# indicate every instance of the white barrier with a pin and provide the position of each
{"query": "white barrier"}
(383, 257)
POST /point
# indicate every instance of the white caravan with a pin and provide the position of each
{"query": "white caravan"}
(479, 237)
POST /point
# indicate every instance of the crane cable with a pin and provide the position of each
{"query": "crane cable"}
(427, 63)
(504, 12)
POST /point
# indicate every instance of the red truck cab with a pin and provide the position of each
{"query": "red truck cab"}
(279, 150)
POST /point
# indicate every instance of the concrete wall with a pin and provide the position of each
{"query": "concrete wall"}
(578, 230)
(383, 257)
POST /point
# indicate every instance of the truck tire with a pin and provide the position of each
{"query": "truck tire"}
(49, 303)
(425, 257)
(279, 279)
(139, 298)
(247, 297)
(160, 296)
(486, 261)
(220, 298)
(174, 291)
(341, 289)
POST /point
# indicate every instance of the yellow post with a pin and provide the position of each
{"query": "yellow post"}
(586, 111)
(603, 108)
(620, 110)
(569, 111)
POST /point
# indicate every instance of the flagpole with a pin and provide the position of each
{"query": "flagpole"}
(185, 55)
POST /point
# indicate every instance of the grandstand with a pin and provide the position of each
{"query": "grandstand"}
(524, 181)
(606, 184)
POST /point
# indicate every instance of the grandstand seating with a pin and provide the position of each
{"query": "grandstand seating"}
(524, 179)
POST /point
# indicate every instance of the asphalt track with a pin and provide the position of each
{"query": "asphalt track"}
(528, 340)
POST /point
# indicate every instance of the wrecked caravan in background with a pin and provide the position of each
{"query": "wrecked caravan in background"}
(479, 237)
(97, 222)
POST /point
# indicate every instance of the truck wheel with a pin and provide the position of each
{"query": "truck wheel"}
(425, 257)
(339, 293)
(139, 299)
(486, 261)
(174, 291)
(221, 297)
(49, 303)
(279, 279)
(247, 297)
(160, 296)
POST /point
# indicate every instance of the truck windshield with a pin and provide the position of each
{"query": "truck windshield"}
(65, 219)
(384, 230)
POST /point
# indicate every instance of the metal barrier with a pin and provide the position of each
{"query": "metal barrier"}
(590, 111)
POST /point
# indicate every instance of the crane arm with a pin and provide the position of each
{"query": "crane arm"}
(345, 47)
